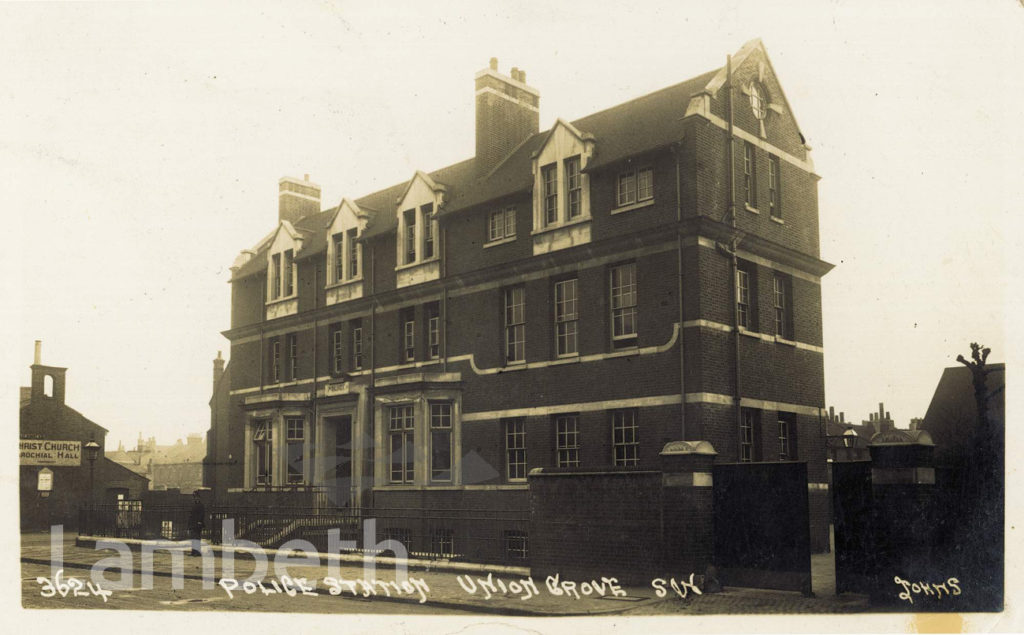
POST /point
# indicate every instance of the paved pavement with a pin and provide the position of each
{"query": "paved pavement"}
(347, 587)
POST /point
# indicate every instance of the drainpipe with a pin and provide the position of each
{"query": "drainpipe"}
(732, 252)
(312, 395)
(676, 149)
(444, 299)
(370, 404)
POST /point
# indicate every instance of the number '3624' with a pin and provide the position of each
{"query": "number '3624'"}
(72, 586)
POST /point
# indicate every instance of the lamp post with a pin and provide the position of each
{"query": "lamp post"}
(92, 450)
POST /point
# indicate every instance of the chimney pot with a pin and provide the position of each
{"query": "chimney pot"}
(494, 63)
(515, 73)
(39, 352)
(305, 177)
(522, 75)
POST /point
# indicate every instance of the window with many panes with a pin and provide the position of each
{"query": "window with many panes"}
(501, 224)
(401, 422)
(433, 330)
(625, 438)
(746, 316)
(275, 276)
(275, 360)
(357, 343)
(293, 356)
(288, 274)
(337, 349)
(623, 301)
(749, 175)
(567, 440)
(573, 188)
(262, 440)
(444, 542)
(774, 190)
(515, 325)
(781, 305)
(428, 230)
(787, 436)
(339, 257)
(549, 177)
(635, 186)
(408, 324)
(410, 236)
(566, 318)
(748, 427)
(353, 253)
(515, 449)
(441, 441)
(294, 448)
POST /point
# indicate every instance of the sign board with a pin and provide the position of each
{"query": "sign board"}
(45, 483)
(42, 452)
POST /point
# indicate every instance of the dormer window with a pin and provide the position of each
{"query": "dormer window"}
(561, 187)
(282, 275)
(417, 233)
(344, 253)
(282, 272)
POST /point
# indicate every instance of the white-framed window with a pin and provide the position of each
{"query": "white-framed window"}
(440, 441)
(408, 335)
(749, 174)
(288, 275)
(743, 298)
(293, 356)
(635, 186)
(623, 301)
(275, 277)
(295, 449)
(779, 284)
(573, 187)
(410, 236)
(567, 440)
(433, 331)
(501, 224)
(337, 349)
(774, 190)
(747, 427)
(625, 438)
(357, 344)
(427, 213)
(785, 438)
(401, 426)
(275, 360)
(515, 449)
(566, 318)
(339, 257)
(515, 325)
(549, 178)
(263, 449)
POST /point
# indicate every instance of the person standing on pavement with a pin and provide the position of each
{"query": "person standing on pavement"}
(196, 522)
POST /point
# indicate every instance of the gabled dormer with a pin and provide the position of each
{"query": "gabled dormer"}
(417, 257)
(561, 189)
(345, 253)
(282, 274)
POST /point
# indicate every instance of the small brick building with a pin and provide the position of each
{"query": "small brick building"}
(573, 297)
(52, 439)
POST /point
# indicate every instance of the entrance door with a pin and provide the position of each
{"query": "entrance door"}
(339, 466)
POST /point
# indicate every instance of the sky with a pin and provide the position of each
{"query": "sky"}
(141, 145)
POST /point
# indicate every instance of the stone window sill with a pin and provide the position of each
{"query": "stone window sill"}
(556, 227)
(500, 241)
(632, 206)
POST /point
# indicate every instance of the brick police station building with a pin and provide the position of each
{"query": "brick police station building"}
(573, 298)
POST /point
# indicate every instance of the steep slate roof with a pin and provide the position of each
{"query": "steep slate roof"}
(640, 125)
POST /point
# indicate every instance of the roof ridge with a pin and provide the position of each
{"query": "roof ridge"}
(644, 96)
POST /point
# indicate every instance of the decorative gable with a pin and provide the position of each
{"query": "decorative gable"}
(561, 189)
(416, 258)
(345, 253)
(282, 274)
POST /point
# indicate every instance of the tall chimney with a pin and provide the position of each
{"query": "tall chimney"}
(39, 353)
(297, 198)
(507, 113)
(218, 370)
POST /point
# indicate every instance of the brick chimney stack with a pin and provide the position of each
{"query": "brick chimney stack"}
(297, 198)
(218, 370)
(507, 113)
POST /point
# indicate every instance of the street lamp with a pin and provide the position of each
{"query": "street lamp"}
(92, 450)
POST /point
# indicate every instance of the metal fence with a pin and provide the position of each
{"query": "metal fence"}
(472, 535)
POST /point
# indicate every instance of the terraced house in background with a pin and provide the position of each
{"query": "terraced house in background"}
(574, 298)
